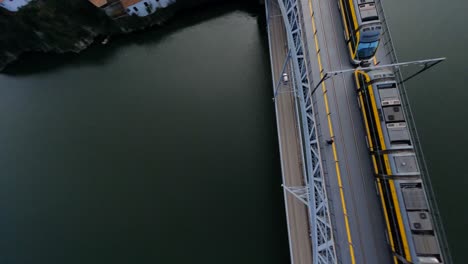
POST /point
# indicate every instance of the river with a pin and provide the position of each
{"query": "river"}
(424, 29)
(161, 146)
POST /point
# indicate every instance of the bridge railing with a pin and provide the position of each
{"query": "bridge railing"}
(387, 42)
(321, 230)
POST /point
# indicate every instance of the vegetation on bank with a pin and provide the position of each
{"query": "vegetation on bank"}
(69, 26)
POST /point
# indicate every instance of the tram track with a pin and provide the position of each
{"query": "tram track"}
(355, 175)
(340, 127)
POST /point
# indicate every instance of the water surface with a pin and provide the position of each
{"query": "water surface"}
(427, 29)
(160, 147)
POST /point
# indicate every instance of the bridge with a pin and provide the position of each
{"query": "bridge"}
(333, 211)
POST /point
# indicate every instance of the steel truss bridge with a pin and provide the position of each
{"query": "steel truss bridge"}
(332, 210)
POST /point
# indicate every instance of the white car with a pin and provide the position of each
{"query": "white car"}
(285, 77)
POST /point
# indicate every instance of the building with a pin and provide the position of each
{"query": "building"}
(143, 8)
(112, 8)
(13, 5)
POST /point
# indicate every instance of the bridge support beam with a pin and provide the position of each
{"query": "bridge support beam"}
(300, 192)
(321, 232)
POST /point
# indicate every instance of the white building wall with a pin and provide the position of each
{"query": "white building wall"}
(148, 7)
(14, 5)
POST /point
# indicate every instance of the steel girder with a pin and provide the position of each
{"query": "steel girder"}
(323, 246)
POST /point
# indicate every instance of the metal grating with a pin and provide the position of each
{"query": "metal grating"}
(414, 199)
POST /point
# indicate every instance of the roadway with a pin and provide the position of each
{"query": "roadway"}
(357, 217)
(289, 141)
(359, 226)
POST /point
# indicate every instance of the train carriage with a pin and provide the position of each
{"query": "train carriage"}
(362, 29)
(411, 235)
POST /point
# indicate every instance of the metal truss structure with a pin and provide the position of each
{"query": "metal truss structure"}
(301, 193)
(313, 193)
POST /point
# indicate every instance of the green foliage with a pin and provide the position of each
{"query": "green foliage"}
(51, 25)
(69, 25)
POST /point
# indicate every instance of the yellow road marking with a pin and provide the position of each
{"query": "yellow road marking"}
(335, 155)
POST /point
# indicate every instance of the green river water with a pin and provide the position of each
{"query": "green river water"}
(161, 146)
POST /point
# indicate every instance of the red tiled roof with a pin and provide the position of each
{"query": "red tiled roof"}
(97, 3)
(127, 3)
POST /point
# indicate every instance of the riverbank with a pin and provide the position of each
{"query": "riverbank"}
(72, 26)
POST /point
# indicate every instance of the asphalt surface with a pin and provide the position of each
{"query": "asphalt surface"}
(365, 232)
(289, 141)
(356, 213)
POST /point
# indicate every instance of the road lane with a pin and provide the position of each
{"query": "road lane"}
(366, 222)
(289, 141)
(355, 210)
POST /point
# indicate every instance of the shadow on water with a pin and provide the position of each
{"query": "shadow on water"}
(98, 54)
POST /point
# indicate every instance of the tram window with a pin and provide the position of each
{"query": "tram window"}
(367, 49)
(370, 18)
(352, 40)
(386, 85)
(362, 82)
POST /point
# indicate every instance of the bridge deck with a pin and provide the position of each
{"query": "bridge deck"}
(360, 232)
(366, 223)
(289, 142)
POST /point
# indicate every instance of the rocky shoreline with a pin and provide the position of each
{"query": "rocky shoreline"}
(72, 26)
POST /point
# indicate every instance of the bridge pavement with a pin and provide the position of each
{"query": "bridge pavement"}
(362, 239)
(358, 221)
(289, 141)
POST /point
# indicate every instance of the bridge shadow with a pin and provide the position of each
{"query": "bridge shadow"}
(37, 63)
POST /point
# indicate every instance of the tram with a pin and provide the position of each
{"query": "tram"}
(410, 231)
(362, 29)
